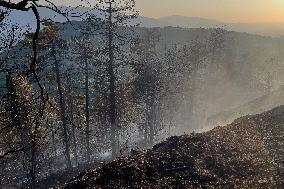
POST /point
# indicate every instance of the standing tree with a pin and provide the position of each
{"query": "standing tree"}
(9, 38)
(85, 51)
(116, 14)
(71, 113)
(52, 47)
(147, 84)
(22, 128)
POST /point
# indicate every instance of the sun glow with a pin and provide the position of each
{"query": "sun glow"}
(223, 10)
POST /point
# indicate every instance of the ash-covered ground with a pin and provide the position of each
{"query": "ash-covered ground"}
(249, 153)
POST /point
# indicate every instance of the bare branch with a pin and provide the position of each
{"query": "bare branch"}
(22, 5)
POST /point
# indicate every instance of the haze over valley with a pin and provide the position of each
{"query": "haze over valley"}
(95, 95)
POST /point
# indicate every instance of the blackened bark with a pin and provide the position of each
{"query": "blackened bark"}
(62, 110)
(71, 115)
(112, 96)
(87, 110)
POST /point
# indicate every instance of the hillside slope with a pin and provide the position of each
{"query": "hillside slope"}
(249, 153)
(255, 106)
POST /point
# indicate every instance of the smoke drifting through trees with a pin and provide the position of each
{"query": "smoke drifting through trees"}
(114, 87)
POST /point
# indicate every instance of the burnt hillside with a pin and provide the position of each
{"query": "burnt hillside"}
(249, 153)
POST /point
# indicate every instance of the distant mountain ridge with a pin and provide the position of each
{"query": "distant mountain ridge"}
(194, 22)
(266, 29)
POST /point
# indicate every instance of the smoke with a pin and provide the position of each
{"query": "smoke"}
(245, 78)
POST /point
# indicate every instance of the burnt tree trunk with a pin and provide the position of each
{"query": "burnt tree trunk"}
(71, 116)
(62, 110)
(87, 110)
(112, 95)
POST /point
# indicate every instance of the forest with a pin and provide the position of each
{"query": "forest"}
(99, 101)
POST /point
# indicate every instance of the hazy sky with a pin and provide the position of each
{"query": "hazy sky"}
(223, 10)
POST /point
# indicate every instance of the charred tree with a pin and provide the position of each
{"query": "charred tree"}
(71, 116)
(116, 15)
(62, 106)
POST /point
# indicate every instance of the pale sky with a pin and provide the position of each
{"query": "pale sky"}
(223, 10)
